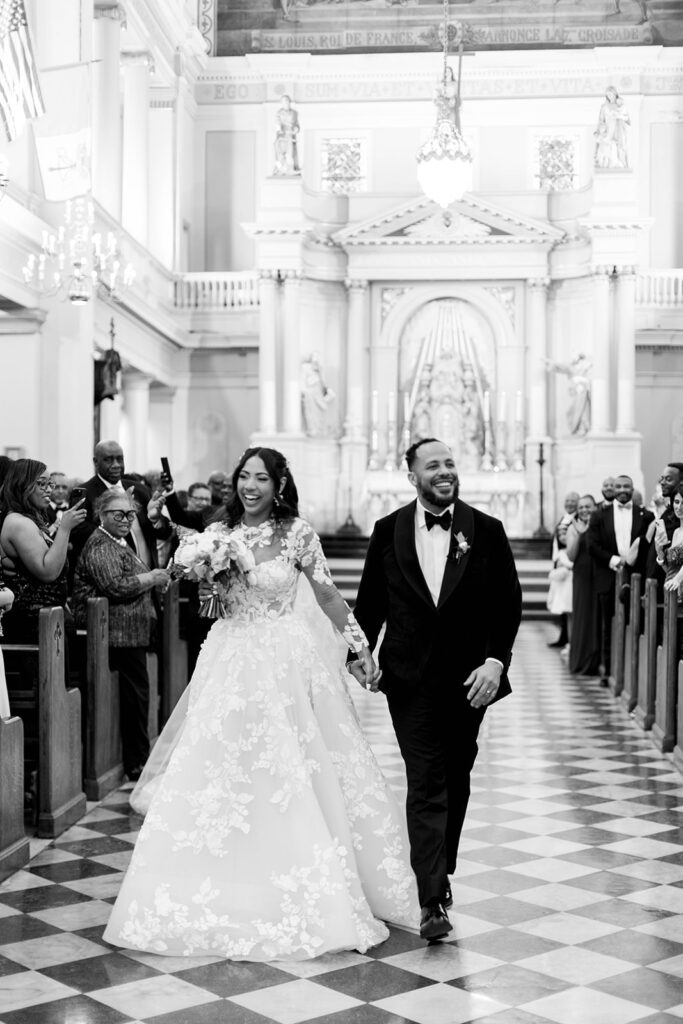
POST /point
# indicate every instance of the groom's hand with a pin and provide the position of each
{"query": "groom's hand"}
(483, 684)
(365, 671)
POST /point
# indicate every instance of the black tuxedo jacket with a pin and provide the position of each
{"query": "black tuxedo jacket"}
(94, 489)
(602, 543)
(479, 607)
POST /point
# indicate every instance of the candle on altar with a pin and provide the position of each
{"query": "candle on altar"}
(374, 408)
(502, 402)
(406, 408)
(518, 407)
(487, 406)
(391, 407)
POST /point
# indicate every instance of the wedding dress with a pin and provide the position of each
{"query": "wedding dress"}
(270, 831)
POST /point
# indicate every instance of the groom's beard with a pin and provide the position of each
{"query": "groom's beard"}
(440, 499)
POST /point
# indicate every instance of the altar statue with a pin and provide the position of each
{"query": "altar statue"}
(579, 410)
(611, 132)
(286, 147)
(316, 398)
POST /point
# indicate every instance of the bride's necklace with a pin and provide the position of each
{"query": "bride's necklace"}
(259, 536)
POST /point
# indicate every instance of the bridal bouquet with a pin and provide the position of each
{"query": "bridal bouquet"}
(207, 557)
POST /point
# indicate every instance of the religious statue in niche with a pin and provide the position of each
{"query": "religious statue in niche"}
(316, 398)
(611, 142)
(286, 144)
(579, 408)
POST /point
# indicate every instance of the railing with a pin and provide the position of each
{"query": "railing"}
(217, 291)
(660, 288)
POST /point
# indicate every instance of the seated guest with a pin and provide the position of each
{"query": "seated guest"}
(560, 594)
(584, 648)
(6, 598)
(612, 535)
(110, 475)
(109, 568)
(38, 562)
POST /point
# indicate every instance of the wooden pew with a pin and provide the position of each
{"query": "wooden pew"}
(14, 843)
(616, 678)
(55, 712)
(153, 715)
(103, 768)
(664, 727)
(678, 748)
(647, 660)
(173, 668)
(629, 694)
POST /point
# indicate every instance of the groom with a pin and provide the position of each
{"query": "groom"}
(441, 575)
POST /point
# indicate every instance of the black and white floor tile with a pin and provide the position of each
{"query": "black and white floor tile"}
(568, 896)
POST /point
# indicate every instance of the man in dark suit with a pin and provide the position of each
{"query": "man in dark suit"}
(612, 535)
(109, 473)
(669, 481)
(441, 576)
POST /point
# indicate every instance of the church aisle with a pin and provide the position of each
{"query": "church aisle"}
(568, 895)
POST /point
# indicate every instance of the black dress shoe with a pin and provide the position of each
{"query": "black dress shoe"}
(434, 923)
(134, 774)
(447, 901)
(605, 682)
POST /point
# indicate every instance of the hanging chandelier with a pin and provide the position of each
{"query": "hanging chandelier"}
(444, 163)
(78, 261)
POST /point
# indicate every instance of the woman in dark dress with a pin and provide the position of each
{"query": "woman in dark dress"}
(584, 646)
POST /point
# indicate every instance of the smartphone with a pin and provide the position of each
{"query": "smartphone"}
(166, 468)
(76, 494)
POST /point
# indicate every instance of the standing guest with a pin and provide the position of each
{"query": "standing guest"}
(198, 516)
(107, 567)
(611, 535)
(109, 475)
(560, 594)
(38, 562)
(669, 481)
(584, 646)
(218, 482)
(198, 497)
(59, 500)
(440, 575)
(6, 599)
(607, 491)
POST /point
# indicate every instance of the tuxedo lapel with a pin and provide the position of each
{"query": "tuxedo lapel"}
(463, 522)
(406, 552)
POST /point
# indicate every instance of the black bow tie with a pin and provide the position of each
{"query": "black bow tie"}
(444, 520)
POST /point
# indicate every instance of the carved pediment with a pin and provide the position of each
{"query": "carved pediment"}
(470, 221)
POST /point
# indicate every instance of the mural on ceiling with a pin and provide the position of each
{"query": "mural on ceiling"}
(358, 26)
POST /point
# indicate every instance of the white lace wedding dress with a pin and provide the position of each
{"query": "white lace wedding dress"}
(270, 831)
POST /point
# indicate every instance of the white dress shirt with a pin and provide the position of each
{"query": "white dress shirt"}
(623, 523)
(139, 542)
(432, 549)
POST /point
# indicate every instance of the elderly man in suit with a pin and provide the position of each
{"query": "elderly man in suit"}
(110, 475)
(440, 575)
(616, 537)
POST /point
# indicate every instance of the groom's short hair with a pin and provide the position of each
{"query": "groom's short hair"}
(411, 452)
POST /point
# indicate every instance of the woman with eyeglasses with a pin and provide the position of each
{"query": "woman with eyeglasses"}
(35, 563)
(108, 567)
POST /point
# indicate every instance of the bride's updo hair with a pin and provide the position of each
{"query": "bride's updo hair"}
(286, 502)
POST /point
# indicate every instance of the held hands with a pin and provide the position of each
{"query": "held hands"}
(73, 517)
(483, 684)
(365, 671)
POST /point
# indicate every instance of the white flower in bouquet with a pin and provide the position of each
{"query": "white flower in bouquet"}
(207, 557)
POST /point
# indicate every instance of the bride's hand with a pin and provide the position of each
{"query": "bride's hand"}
(370, 670)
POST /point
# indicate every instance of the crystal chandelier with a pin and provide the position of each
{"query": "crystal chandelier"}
(444, 163)
(77, 261)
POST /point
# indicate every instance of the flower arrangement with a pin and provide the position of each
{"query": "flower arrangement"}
(208, 557)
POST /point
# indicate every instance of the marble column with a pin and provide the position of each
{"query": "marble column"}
(106, 101)
(537, 352)
(137, 65)
(110, 418)
(291, 354)
(269, 296)
(626, 349)
(356, 358)
(136, 407)
(600, 390)
(162, 162)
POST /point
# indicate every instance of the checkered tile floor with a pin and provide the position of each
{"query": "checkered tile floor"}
(568, 896)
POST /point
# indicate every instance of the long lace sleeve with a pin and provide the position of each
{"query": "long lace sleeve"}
(311, 560)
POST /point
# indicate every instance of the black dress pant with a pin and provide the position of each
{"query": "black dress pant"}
(606, 615)
(437, 730)
(131, 665)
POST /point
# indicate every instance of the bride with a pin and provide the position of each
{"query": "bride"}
(270, 831)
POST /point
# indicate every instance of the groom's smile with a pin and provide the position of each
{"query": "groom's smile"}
(434, 476)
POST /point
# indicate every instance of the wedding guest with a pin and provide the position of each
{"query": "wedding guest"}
(109, 568)
(59, 500)
(38, 562)
(669, 480)
(607, 491)
(584, 647)
(560, 594)
(6, 599)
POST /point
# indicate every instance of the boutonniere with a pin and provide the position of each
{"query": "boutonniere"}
(460, 546)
